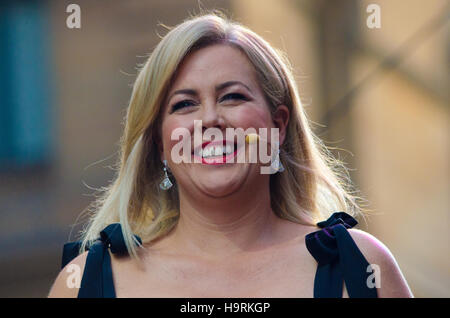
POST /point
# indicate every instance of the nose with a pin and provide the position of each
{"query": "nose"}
(211, 117)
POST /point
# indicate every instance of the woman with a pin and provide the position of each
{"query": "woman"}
(189, 229)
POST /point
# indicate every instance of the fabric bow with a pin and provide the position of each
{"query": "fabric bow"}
(97, 281)
(339, 259)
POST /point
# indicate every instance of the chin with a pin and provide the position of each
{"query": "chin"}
(219, 189)
(218, 182)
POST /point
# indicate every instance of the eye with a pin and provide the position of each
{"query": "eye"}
(234, 96)
(182, 104)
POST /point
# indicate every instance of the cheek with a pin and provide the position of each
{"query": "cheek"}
(253, 116)
(169, 126)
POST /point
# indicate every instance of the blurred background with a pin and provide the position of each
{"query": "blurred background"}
(380, 95)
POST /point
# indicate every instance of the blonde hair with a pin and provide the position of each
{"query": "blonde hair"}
(313, 185)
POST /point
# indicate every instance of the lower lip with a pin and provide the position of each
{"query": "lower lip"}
(217, 160)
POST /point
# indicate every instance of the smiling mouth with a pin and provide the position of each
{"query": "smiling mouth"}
(213, 153)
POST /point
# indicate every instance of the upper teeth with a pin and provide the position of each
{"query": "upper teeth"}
(217, 150)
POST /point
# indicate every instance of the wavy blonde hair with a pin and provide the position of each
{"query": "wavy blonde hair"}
(313, 185)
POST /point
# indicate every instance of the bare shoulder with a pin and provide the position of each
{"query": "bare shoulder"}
(392, 282)
(67, 282)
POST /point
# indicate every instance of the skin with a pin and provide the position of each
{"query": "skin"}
(227, 233)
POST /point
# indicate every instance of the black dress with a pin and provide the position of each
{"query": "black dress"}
(338, 259)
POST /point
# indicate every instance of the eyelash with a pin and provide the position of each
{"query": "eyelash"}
(234, 96)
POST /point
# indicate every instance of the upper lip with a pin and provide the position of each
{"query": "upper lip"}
(223, 142)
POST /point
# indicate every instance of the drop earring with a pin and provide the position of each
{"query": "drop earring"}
(277, 166)
(166, 184)
(280, 167)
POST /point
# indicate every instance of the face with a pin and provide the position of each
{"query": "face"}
(217, 85)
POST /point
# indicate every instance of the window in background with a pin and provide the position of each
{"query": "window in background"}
(25, 109)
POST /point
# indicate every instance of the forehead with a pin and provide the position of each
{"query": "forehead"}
(212, 65)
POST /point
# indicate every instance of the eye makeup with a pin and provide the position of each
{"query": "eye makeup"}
(188, 103)
(182, 104)
(234, 96)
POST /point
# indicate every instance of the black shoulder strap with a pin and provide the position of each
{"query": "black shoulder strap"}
(339, 259)
(97, 281)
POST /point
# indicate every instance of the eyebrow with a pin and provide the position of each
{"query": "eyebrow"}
(219, 87)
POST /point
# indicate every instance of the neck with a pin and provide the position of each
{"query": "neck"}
(219, 227)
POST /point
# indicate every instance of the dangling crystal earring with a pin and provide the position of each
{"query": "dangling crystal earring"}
(277, 166)
(166, 184)
(280, 165)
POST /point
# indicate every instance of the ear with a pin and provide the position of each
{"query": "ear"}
(281, 119)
